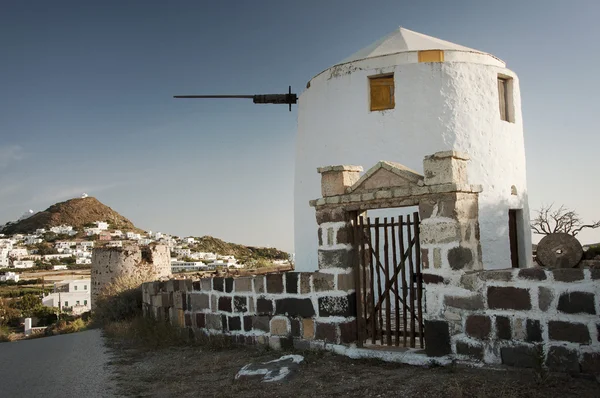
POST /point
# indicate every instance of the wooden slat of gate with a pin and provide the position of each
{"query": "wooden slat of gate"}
(403, 278)
(378, 271)
(357, 282)
(419, 279)
(412, 286)
(372, 285)
(396, 294)
(388, 303)
(365, 281)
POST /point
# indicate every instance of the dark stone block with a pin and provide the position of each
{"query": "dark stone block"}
(508, 298)
(261, 323)
(274, 283)
(595, 273)
(503, 328)
(437, 339)
(320, 236)
(534, 331)
(235, 323)
(196, 286)
(240, 304)
(338, 305)
(200, 320)
(520, 356)
(326, 332)
(545, 296)
(469, 350)
(264, 306)
(499, 275)
(460, 258)
(225, 304)
(590, 363)
(473, 303)
(184, 301)
(295, 307)
(339, 258)
(286, 343)
(432, 278)
(332, 215)
(478, 326)
(188, 320)
(247, 323)
(598, 328)
(224, 322)
(567, 331)
(228, 285)
(291, 282)
(567, 274)
(348, 332)
(295, 327)
(535, 274)
(218, 284)
(561, 359)
(176, 285)
(577, 303)
(344, 236)
(425, 258)
(301, 345)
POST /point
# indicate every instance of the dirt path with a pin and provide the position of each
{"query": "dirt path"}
(201, 371)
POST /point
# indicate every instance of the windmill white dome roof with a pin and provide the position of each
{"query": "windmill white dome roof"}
(405, 40)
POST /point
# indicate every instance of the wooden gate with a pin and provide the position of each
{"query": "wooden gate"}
(389, 281)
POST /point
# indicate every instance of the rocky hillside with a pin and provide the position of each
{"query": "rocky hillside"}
(77, 212)
(215, 245)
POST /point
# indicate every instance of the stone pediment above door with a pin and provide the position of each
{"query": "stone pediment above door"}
(386, 175)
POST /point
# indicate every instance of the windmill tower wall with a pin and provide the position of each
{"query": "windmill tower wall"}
(451, 104)
(145, 263)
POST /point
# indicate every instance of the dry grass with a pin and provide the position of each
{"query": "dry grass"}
(122, 299)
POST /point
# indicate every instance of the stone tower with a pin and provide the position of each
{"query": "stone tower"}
(406, 96)
(109, 263)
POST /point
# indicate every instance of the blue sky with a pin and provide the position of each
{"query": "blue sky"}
(86, 101)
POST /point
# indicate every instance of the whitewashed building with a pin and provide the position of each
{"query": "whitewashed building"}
(23, 264)
(406, 96)
(71, 295)
(9, 276)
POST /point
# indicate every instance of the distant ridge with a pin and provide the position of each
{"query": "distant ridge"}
(74, 212)
(216, 245)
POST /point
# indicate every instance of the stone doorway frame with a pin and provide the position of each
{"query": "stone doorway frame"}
(448, 209)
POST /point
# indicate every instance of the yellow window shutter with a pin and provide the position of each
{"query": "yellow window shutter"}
(431, 56)
(382, 93)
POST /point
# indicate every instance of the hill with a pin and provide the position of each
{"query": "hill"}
(215, 245)
(77, 212)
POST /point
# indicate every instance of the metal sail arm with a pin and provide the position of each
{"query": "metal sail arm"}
(289, 98)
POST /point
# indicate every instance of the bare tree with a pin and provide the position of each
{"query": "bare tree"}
(551, 221)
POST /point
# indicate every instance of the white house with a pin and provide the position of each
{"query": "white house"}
(101, 225)
(178, 266)
(40, 231)
(59, 267)
(4, 262)
(23, 264)
(115, 243)
(83, 260)
(18, 252)
(63, 245)
(63, 229)
(406, 96)
(181, 252)
(86, 244)
(32, 240)
(70, 295)
(9, 276)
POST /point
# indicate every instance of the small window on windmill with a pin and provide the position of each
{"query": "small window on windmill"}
(505, 98)
(381, 91)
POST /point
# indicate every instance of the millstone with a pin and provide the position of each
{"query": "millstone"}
(559, 251)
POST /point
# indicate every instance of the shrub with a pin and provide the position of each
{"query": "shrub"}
(145, 332)
(122, 299)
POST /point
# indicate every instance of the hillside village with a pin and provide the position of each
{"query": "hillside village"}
(61, 255)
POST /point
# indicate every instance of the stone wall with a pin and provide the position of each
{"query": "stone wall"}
(529, 317)
(284, 310)
(145, 262)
